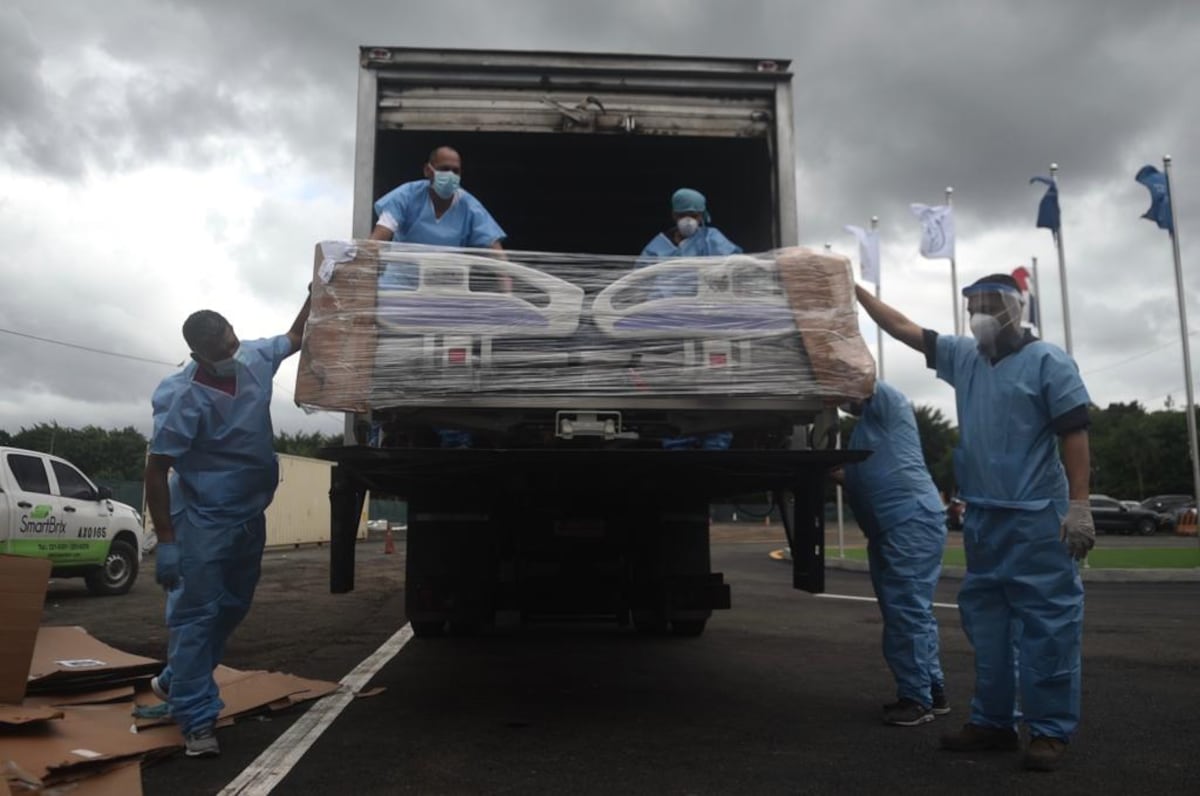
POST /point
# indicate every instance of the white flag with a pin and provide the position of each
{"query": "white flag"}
(937, 230)
(868, 252)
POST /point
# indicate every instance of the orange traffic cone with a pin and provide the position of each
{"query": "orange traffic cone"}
(389, 546)
(1187, 523)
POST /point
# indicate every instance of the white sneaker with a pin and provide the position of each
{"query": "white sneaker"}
(202, 743)
(158, 690)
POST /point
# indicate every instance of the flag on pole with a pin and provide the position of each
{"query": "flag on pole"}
(868, 252)
(1048, 216)
(1160, 201)
(1030, 316)
(937, 230)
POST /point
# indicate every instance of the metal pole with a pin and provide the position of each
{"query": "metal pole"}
(841, 516)
(878, 295)
(957, 301)
(1037, 292)
(1183, 330)
(1062, 269)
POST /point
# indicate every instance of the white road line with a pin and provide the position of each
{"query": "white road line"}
(872, 599)
(270, 767)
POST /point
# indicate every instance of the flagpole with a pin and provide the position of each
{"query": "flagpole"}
(1062, 269)
(957, 302)
(1037, 292)
(878, 295)
(1183, 329)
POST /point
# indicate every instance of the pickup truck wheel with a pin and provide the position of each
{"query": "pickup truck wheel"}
(1147, 526)
(118, 573)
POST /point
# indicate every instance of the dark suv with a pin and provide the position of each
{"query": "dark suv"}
(1111, 517)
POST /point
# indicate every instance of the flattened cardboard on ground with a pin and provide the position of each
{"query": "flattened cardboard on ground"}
(83, 740)
(22, 592)
(246, 692)
(122, 693)
(67, 658)
(123, 779)
(12, 715)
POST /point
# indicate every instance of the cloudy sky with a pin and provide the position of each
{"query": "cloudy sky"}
(156, 157)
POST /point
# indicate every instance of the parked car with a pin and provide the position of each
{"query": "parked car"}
(1111, 516)
(1169, 507)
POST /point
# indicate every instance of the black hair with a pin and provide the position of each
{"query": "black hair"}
(204, 330)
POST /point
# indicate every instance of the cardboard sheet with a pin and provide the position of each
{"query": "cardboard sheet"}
(67, 658)
(22, 592)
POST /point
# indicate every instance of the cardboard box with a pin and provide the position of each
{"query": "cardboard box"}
(23, 584)
(68, 659)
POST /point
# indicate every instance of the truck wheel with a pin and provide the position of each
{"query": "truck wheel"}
(650, 623)
(118, 573)
(687, 627)
(428, 628)
(1147, 526)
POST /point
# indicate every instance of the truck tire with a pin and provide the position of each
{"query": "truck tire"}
(118, 572)
(688, 627)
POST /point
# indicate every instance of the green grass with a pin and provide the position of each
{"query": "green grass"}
(1116, 558)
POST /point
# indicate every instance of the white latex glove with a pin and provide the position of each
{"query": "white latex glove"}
(1078, 530)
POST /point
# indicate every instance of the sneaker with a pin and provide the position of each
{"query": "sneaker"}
(1044, 753)
(158, 690)
(974, 738)
(906, 713)
(941, 705)
(202, 743)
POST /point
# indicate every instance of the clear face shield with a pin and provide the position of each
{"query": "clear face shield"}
(995, 315)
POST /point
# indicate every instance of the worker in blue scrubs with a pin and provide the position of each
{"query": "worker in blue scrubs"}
(690, 235)
(1022, 467)
(435, 211)
(210, 475)
(898, 509)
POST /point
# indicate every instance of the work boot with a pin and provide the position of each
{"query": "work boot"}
(974, 738)
(906, 713)
(201, 743)
(1044, 753)
(941, 705)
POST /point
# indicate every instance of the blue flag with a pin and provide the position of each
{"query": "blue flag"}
(1048, 216)
(1160, 201)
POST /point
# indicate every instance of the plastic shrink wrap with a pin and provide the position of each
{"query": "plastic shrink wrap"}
(406, 326)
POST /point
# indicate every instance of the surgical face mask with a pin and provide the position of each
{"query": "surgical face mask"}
(226, 368)
(986, 329)
(445, 183)
(687, 226)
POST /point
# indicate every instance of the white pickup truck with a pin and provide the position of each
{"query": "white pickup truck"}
(49, 509)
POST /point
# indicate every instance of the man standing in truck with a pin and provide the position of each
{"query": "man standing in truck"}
(900, 512)
(212, 427)
(434, 211)
(1022, 465)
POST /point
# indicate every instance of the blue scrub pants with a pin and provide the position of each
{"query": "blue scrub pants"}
(906, 561)
(220, 570)
(1022, 593)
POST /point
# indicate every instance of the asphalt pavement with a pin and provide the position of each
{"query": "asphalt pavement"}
(780, 695)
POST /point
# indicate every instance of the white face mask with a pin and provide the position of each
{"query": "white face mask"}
(986, 329)
(687, 226)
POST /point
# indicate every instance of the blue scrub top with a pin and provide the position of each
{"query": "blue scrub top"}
(1008, 449)
(893, 485)
(223, 445)
(706, 242)
(467, 224)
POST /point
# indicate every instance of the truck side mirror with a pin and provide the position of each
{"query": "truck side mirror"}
(104, 493)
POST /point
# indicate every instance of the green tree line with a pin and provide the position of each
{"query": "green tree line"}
(120, 454)
(1135, 453)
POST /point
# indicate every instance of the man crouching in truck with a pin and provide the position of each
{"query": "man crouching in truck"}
(212, 424)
